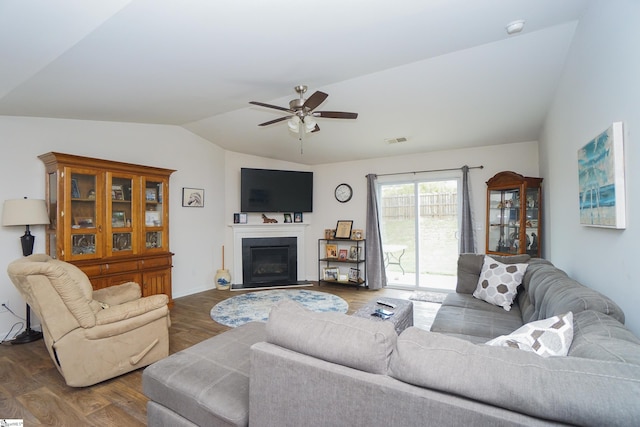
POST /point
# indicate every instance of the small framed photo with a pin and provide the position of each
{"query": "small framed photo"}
(342, 255)
(297, 217)
(287, 218)
(243, 218)
(329, 233)
(357, 234)
(118, 219)
(192, 197)
(332, 251)
(117, 193)
(152, 219)
(330, 273)
(151, 195)
(354, 275)
(343, 229)
(236, 218)
(355, 253)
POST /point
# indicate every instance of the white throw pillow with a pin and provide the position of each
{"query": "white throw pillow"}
(548, 337)
(498, 282)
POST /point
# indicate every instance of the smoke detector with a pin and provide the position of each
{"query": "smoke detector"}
(515, 26)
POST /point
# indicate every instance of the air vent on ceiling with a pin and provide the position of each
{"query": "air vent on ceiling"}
(395, 140)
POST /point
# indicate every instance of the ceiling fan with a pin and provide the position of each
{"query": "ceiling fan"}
(301, 115)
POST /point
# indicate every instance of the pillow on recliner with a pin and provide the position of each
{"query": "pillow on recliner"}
(498, 283)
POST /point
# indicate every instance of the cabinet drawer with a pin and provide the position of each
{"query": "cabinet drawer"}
(91, 270)
(155, 262)
(119, 267)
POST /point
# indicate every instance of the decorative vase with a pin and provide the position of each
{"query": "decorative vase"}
(223, 279)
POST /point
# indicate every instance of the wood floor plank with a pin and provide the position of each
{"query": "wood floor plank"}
(32, 389)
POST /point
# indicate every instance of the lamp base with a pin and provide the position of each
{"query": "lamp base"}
(28, 335)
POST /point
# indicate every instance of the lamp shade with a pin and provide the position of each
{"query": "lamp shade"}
(25, 212)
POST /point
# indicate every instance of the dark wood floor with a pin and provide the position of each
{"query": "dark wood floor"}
(32, 389)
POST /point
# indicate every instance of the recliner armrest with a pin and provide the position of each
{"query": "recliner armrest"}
(115, 295)
(131, 309)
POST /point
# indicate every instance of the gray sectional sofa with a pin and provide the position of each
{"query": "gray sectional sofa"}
(329, 369)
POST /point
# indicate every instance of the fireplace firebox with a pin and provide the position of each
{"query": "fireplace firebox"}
(269, 260)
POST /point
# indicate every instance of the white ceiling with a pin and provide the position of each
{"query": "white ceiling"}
(442, 73)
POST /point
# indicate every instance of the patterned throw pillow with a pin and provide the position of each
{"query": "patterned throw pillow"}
(498, 282)
(548, 337)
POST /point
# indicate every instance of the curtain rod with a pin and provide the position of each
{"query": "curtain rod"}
(432, 170)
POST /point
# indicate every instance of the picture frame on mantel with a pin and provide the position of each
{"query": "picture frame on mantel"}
(601, 184)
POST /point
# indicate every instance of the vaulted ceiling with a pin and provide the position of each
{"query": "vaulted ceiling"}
(441, 73)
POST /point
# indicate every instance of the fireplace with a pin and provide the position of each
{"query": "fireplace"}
(269, 260)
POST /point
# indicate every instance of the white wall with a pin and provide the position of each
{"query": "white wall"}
(195, 233)
(519, 157)
(599, 86)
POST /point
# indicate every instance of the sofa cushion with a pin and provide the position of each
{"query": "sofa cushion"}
(551, 292)
(573, 390)
(359, 343)
(207, 383)
(470, 266)
(465, 315)
(598, 336)
(498, 282)
(547, 337)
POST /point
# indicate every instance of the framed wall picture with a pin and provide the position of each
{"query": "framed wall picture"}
(601, 184)
(343, 229)
(192, 197)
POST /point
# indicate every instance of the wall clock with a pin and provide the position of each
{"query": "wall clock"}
(343, 193)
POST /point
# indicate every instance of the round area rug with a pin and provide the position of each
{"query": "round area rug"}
(255, 306)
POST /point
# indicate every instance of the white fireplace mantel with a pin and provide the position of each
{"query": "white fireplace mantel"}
(247, 231)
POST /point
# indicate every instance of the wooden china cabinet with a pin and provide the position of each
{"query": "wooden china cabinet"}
(111, 219)
(514, 214)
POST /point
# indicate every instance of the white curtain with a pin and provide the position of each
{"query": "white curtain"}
(376, 276)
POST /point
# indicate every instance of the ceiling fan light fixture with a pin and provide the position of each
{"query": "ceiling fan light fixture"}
(294, 124)
(309, 124)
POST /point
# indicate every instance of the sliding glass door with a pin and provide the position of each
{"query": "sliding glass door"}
(420, 228)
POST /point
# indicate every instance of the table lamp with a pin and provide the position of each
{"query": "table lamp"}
(25, 212)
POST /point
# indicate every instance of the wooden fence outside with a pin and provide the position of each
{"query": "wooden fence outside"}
(433, 205)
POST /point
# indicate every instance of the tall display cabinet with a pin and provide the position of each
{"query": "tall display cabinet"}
(110, 219)
(514, 214)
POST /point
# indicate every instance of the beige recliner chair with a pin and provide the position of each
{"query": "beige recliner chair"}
(92, 335)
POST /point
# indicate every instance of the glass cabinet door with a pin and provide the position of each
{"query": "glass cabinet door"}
(121, 236)
(504, 221)
(532, 222)
(154, 214)
(83, 215)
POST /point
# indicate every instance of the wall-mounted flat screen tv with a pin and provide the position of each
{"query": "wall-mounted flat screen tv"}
(269, 190)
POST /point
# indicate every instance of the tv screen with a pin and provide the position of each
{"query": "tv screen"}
(269, 190)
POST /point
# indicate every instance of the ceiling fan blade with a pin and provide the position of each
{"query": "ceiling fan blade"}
(314, 100)
(270, 122)
(335, 114)
(316, 129)
(262, 104)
